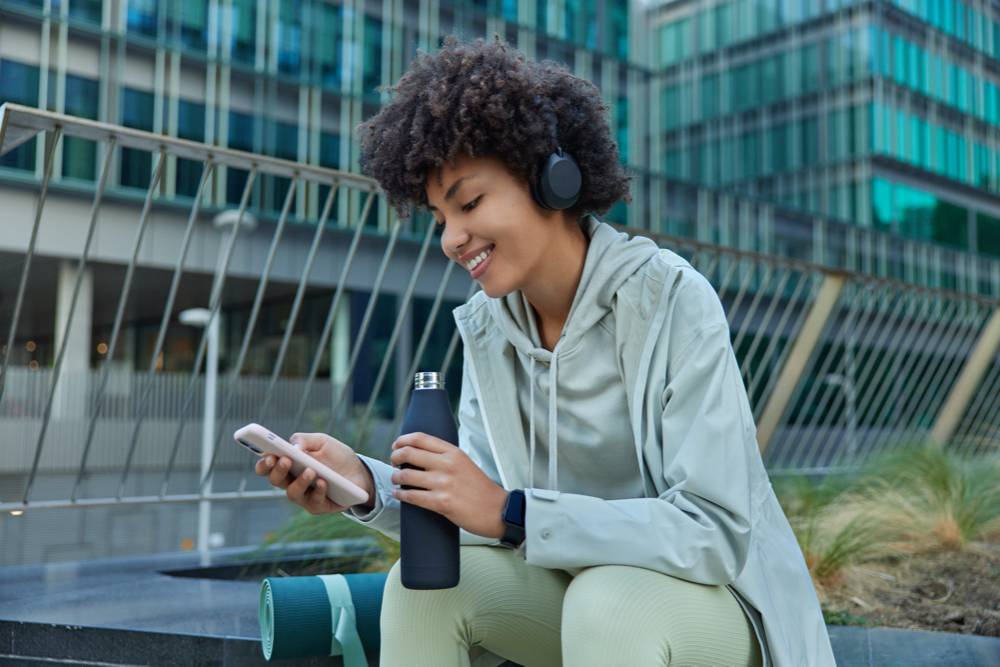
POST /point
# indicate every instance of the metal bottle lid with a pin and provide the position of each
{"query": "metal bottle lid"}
(428, 381)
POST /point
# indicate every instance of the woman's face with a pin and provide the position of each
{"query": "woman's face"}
(493, 227)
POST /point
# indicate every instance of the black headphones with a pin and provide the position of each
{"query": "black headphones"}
(559, 181)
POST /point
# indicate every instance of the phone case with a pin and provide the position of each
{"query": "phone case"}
(261, 441)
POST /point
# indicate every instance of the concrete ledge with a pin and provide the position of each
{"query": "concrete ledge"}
(129, 611)
(43, 643)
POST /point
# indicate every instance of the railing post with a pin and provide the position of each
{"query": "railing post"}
(798, 358)
(969, 379)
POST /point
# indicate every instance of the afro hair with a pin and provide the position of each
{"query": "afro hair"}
(486, 99)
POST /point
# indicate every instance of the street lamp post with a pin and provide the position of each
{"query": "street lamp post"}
(202, 317)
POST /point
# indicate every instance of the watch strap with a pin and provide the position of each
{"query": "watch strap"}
(513, 519)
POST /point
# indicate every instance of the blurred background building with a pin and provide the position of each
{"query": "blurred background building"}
(879, 114)
(854, 135)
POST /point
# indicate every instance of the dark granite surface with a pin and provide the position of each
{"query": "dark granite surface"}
(126, 611)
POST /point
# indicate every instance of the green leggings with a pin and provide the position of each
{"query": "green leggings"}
(605, 616)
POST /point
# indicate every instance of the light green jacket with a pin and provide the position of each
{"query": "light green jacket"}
(709, 515)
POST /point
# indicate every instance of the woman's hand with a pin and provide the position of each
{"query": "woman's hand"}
(450, 484)
(335, 454)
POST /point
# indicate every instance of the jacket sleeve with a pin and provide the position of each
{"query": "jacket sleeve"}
(698, 528)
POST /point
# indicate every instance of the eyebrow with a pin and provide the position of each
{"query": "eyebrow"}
(453, 190)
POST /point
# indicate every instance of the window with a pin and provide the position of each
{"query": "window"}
(186, 23)
(80, 155)
(616, 36)
(372, 49)
(19, 84)
(834, 151)
(671, 108)
(810, 68)
(289, 30)
(883, 209)
(749, 153)
(190, 125)
(283, 142)
(810, 142)
(706, 31)
(329, 156)
(779, 147)
(241, 131)
(137, 112)
(86, 10)
(244, 37)
(141, 18)
(709, 88)
(899, 59)
(723, 19)
(770, 81)
(988, 235)
(329, 44)
(675, 42)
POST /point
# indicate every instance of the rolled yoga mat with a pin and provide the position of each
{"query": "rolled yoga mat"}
(336, 614)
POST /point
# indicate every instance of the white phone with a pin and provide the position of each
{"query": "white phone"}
(262, 442)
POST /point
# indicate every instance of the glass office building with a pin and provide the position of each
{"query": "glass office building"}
(878, 114)
(286, 78)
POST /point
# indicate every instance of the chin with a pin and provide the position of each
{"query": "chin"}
(496, 291)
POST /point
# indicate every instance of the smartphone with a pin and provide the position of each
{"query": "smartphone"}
(262, 442)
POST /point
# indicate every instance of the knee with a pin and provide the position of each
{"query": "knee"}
(610, 601)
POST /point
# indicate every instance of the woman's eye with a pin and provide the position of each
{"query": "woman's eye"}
(472, 204)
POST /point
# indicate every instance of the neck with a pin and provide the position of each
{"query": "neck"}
(551, 294)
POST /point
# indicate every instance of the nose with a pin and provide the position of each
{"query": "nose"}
(453, 239)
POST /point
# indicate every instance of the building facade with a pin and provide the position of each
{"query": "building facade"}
(878, 114)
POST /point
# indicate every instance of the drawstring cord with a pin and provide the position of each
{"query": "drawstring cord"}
(553, 440)
(531, 420)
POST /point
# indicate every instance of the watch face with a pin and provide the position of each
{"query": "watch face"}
(514, 512)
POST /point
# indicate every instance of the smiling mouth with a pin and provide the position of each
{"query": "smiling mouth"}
(478, 259)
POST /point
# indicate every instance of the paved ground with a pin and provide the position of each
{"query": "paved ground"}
(126, 611)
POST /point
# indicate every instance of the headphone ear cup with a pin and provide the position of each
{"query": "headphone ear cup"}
(537, 195)
(559, 183)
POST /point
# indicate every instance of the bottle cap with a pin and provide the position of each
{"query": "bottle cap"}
(428, 381)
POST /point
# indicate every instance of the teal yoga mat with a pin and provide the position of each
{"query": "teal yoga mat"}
(337, 614)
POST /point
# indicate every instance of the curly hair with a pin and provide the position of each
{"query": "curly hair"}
(486, 99)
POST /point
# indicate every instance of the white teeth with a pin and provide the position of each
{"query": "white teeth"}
(476, 261)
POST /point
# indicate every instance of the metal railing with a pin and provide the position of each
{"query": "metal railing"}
(838, 365)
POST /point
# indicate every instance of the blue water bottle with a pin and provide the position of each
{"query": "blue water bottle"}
(429, 557)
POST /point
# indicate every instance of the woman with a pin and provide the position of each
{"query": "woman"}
(605, 435)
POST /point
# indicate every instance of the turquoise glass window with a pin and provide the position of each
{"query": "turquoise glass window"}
(988, 235)
(137, 112)
(883, 209)
(80, 155)
(141, 17)
(19, 84)
(190, 125)
(244, 37)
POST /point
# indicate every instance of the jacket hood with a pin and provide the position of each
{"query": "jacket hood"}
(612, 257)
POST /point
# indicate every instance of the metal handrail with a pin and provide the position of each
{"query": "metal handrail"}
(880, 334)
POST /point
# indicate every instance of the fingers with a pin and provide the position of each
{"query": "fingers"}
(411, 477)
(415, 457)
(422, 498)
(422, 441)
(276, 472)
(308, 442)
(313, 499)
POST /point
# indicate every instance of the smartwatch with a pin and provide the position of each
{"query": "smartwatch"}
(513, 520)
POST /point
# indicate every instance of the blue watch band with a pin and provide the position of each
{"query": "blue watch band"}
(513, 519)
